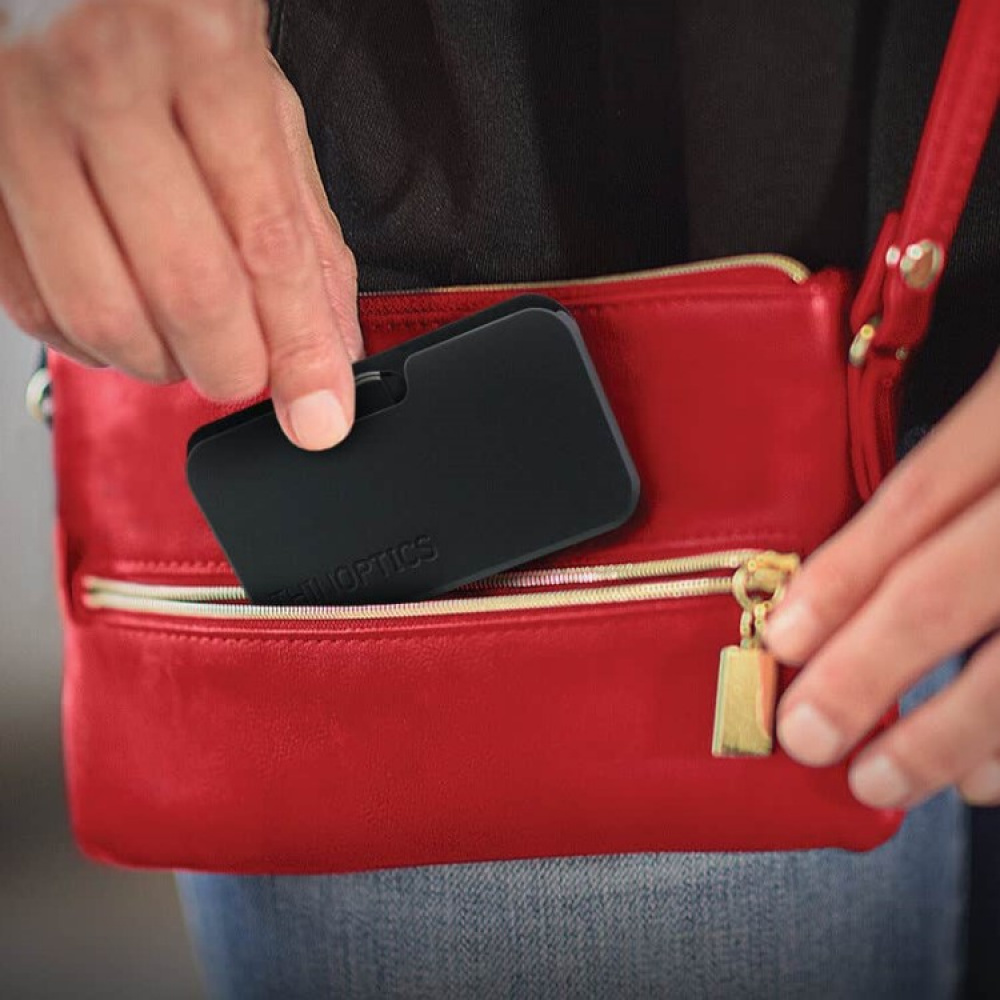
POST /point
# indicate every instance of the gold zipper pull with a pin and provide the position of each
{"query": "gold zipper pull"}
(747, 694)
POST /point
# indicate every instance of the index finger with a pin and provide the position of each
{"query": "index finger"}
(227, 110)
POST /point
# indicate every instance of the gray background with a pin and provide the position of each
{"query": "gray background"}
(68, 927)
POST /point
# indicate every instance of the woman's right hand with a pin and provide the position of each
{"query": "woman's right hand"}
(161, 210)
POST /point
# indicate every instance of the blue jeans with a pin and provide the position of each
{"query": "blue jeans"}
(815, 924)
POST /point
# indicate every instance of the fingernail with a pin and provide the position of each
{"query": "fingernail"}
(876, 781)
(789, 631)
(809, 736)
(982, 786)
(318, 420)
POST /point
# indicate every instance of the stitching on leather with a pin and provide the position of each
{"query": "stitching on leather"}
(409, 633)
(943, 171)
(194, 564)
(636, 293)
(399, 320)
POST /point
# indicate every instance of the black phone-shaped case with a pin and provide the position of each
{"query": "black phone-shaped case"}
(476, 447)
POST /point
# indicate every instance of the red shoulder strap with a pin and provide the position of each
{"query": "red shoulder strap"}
(892, 310)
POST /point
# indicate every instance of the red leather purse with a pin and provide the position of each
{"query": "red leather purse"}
(565, 709)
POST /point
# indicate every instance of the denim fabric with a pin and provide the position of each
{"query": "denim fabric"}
(815, 924)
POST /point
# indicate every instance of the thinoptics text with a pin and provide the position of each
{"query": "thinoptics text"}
(348, 579)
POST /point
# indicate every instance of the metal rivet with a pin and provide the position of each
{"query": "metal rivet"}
(921, 264)
(892, 256)
(862, 341)
(902, 353)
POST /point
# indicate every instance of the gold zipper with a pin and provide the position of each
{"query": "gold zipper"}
(37, 390)
(788, 266)
(631, 581)
(622, 583)
(139, 598)
(748, 674)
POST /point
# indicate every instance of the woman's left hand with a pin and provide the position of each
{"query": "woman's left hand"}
(913, 579)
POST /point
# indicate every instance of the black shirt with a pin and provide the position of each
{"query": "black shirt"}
(496, 140)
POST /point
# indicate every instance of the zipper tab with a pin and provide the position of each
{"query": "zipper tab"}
(747, 694)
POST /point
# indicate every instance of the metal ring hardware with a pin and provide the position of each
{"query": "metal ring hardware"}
(862, 341)
(38, 396)
(921, 263)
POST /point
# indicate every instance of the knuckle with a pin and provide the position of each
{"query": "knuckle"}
(64, 347)
(103, 328)
(121, 337)
(156, 366)
(290, 108)
(89, 47)
(196, 294)
(915, 607)
(854, 698)
(348, 265)
(907, 493)
(273, 243)
(933, 763)
(152, 372)
(241, 379)
(339, 266)
(222, 26)
(833, 582)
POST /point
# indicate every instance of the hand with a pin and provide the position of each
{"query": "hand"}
(161, 210)
(911, 580)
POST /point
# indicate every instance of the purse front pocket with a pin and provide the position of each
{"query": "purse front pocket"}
(727, 379)
(546, 712)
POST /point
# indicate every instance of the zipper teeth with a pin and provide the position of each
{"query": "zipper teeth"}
(614, 572)
(555, 577)
(794, 269)
(97, 596)
(223, 602)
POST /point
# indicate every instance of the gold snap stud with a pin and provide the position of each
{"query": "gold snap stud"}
(921, 263)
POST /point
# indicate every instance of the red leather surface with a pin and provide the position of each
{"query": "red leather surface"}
(957, 126)
(295, 747)
(872, 387)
